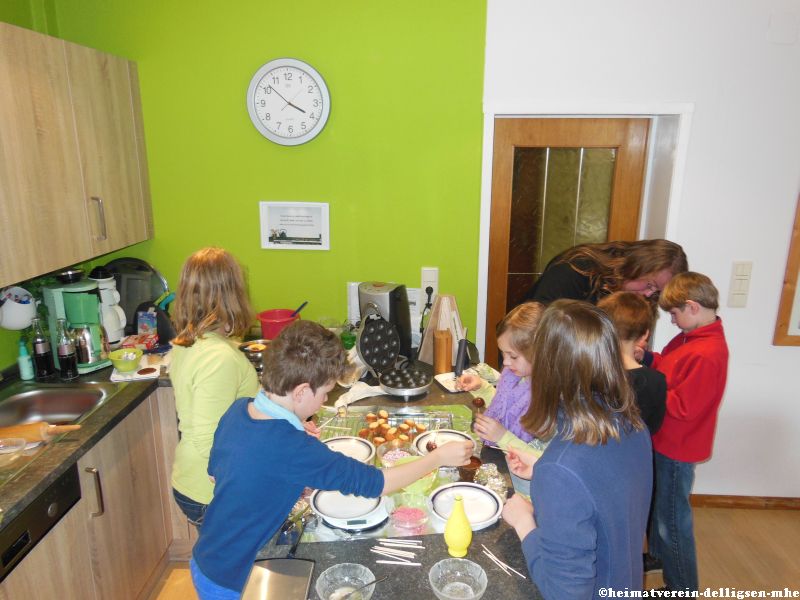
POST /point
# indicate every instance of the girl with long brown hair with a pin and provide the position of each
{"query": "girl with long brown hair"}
(590, 490)
(208, 372)
(591, 271)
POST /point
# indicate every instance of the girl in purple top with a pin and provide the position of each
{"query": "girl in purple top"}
(500, 424)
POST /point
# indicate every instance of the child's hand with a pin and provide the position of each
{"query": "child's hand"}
(518, 512)
(521, 463)
(489, 428)
(312, 428)
(468, 382)
(454, 454)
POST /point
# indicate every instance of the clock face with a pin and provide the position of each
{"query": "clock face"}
(288, 101)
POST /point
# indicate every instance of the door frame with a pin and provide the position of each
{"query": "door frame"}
(683, 111)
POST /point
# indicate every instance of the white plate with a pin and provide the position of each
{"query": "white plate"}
(348, 511)
(354, 447)
(482, 506)
(442, 436)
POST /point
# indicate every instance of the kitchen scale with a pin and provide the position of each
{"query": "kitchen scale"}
(353, 514)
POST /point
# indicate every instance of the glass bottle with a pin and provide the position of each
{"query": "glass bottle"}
(42, 353)
(67, 359)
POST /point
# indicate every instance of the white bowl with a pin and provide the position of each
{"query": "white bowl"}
(482, 506)
(354, 447)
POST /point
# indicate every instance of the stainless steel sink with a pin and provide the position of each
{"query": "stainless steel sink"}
(23, 402)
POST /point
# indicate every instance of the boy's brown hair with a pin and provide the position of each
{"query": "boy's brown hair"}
(689, 286)
(631, 314)
(304, 352)
(212, 296)
(576, 348)
(520, 323)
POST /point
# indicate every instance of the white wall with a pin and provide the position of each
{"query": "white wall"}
(738, 63)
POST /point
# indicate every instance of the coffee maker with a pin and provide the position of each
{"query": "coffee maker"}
(391, 301)
(79, 304)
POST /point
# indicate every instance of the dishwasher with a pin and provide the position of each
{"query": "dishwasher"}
(21, 534)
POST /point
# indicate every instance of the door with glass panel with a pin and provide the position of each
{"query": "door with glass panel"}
(557, 183)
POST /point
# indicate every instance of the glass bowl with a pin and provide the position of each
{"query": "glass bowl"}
(10, 450)
(457, 578)
(339, 578)
(407, 511)
(390, 452)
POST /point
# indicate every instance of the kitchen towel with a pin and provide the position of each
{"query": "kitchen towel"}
(359, 391)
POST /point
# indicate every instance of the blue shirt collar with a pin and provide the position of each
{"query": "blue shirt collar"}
(264, 404)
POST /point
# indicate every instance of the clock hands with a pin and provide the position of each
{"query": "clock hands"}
(285, 100)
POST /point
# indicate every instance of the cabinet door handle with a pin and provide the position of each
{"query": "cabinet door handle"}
(101, 212)
(98, 488)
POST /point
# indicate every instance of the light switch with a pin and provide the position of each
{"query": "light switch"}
(740, 284)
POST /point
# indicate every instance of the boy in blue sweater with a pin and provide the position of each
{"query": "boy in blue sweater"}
(263, 459)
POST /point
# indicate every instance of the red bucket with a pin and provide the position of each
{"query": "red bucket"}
(273, 321)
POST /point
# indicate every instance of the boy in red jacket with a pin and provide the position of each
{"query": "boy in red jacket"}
(695, 364)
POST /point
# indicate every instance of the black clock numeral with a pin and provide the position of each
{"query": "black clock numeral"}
(291, 129)
(267, 117)
(263, 103)
(267, 90)
(303, 125)
(275, 80)
(288, 76)
(279, 124)
(311, 116)
(316, 103)
(311, 89)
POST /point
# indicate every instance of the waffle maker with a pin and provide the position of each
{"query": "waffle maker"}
(378, 347)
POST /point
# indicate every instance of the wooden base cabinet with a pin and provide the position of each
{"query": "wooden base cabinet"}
(112, 545)
(127, 532)
(59, 565)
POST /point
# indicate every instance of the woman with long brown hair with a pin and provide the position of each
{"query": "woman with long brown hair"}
(591, 271)
(590, 490)
(211, 314)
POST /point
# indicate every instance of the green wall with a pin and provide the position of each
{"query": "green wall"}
(399, 160)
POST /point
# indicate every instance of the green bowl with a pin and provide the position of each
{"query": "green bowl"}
(126, 359)
(423, 484)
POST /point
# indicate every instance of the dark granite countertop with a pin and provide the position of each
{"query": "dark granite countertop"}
(412, 582)
(54, 458)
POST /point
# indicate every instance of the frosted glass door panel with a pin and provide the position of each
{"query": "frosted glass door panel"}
(560, 197)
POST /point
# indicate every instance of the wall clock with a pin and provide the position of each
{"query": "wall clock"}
(288, 101)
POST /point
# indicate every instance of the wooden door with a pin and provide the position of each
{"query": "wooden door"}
(580, 176)
(102, 101)
(129, 539)
(43, 220)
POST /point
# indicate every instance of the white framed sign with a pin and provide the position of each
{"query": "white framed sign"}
(295, 225)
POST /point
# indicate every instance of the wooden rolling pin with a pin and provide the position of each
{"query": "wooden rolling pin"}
(38, 431)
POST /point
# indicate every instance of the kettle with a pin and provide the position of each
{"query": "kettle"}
(91, 343)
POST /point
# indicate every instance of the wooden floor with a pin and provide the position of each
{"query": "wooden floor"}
(736, 548)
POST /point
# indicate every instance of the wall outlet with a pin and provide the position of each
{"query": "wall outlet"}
(430, 277)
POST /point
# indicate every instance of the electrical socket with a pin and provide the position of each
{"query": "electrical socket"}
(430, 277)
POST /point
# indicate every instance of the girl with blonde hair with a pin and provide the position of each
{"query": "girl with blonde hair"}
(211, 313)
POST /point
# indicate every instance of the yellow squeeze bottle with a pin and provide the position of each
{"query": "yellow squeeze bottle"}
(458, 532)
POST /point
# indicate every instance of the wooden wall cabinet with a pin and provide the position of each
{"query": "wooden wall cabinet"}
(73, 174)
(113, 542)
